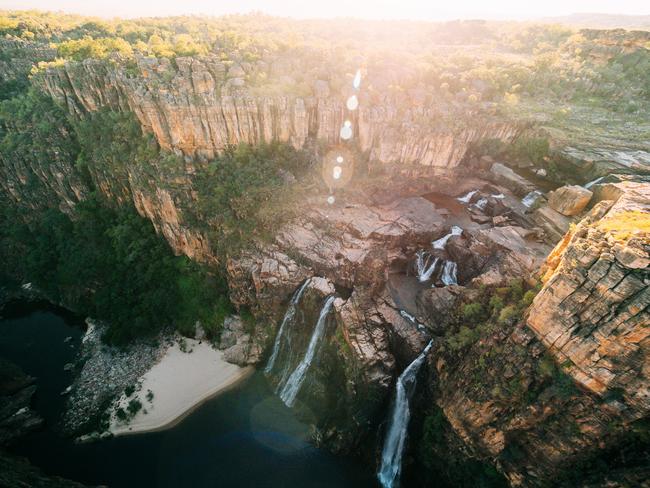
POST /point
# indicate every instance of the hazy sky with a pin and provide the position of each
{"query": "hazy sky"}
(372, 9)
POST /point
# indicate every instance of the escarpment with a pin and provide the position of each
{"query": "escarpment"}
(200, 105)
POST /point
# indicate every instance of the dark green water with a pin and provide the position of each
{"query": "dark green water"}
(243, 438)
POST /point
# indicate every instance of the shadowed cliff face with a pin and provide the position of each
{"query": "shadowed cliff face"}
(201, 105)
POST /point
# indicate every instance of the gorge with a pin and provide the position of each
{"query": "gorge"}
(437, 259)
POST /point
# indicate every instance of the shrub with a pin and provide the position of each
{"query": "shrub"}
(473, 312)
(134, 406)
(508, 315)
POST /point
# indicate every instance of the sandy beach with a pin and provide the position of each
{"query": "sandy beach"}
(179, 382)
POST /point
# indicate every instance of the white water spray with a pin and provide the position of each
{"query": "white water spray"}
(288, 317)
(481, 204)
(424, 269)
(449, 273)
(442, 242)
(595, 182)
(411, 319)
(391, 455)
(531, 198)
(291, 388)
(467, 197)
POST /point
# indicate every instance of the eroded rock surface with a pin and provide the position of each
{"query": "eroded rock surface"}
(593, 309)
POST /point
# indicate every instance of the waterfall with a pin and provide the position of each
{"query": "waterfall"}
(500, 196)
(481, 204)
(423, 268)
(442, 242)
(288, 317)
(411, 319)
(531, 198)
(391, 454)
(292, 386)
(449, 273)
(595, 182)
(468, 197)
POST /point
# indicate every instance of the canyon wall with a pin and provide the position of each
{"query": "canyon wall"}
(198, 106)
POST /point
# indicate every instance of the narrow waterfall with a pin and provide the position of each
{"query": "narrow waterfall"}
(468, 197)
(424, 269)
(288, 317)
(411, 319)
(391, 455)
(481, 204)
(292, 386)
(595, 182)
(442, 242)
(531, 198)
(449, 273)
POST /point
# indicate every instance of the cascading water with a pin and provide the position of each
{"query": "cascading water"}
(481, 204)
(294, 382)
(442, 242)
(391, 454)
(449, 273)
(468, 197)
(595, 182)
(531, 198)
(424, 269)
(411, 319)
(288, 317)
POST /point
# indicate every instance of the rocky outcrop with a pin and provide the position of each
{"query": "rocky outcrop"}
(592, 313)
(502, 175)
(237, 344)
(569, 200)
(17, 419)
(16, 391)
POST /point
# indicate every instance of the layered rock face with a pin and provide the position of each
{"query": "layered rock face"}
(201, 105)
(593, 309)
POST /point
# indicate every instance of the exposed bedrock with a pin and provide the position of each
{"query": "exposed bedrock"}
(593, 309)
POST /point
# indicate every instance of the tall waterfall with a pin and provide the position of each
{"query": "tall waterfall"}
(391, 454)
(292, 386)
(468, 197)
(449, 273)
(288, 316)
(442, 242)
(531, 198)
(424, 269)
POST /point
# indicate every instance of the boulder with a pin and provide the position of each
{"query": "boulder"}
(502, 175)
(569, 200)
(237, 345)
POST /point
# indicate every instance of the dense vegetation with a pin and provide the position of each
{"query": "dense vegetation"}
(110, 264)
(103, 260)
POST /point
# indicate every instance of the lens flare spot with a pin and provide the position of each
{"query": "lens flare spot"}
(356, 83)
(339, 159)
(352, 103)
(331, 199)
(336, 172)
(346, 131)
